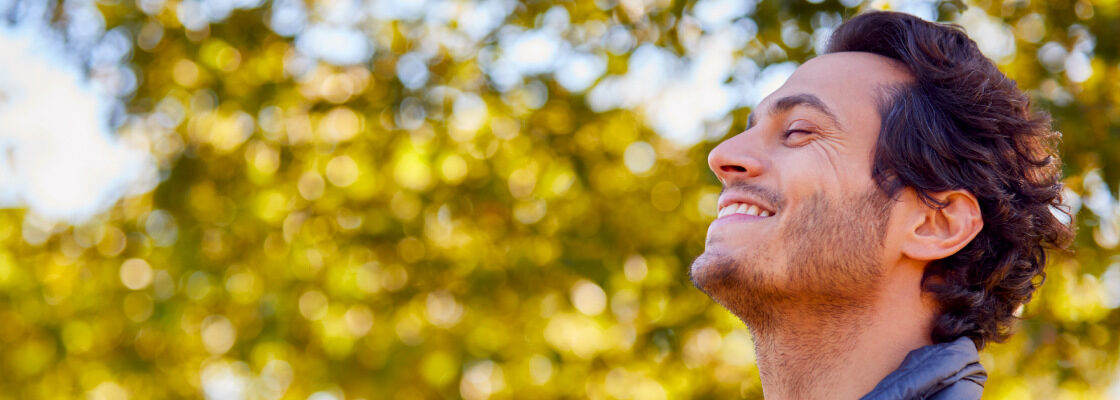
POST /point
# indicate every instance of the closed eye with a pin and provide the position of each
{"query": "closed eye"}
(795, 134)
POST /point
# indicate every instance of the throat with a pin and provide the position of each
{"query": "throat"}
(830, 348)
(807, 357)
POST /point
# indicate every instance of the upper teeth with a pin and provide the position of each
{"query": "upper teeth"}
(743, 208)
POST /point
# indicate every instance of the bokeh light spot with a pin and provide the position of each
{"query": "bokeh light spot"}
(136, 274)
(108, 391)
(635, 268)
(342, 171)
(481, 380)
(313, 305)
(588, 298)
(311, 185)
(639, 157)
(411, 171)
(540, 369)
(340, 124)
(443, 310)
(359, 320)
(218, 334)
(454, 168)
(186, 73)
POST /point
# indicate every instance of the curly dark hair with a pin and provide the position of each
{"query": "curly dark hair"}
(962, 124)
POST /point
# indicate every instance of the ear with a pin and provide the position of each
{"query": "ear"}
(935, 233)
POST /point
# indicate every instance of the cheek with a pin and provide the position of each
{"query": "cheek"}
(833, 165)
(805, 175)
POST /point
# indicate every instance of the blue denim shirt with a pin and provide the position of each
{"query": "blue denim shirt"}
(941, 371)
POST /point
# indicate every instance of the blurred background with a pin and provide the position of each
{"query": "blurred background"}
(409, 199)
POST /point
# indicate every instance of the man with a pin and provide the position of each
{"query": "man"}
(883, 216)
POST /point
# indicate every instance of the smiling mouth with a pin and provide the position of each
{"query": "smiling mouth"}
(743, 208)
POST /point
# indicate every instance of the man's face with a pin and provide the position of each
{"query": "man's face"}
(803, 169)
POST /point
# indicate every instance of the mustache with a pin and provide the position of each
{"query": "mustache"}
(771, 197)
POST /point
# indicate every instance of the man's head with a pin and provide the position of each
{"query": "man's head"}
(902, 143)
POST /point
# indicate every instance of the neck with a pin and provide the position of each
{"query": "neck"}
(818, 350)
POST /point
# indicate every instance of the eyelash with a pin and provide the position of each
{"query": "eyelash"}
(787, 133)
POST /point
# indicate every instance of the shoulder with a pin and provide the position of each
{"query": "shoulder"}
(941, 371)
(962, 389)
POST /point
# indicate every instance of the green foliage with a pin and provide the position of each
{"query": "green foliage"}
(304, 240)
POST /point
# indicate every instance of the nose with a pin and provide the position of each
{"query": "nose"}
(739, 157)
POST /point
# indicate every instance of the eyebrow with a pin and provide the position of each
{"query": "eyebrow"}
(789, 102)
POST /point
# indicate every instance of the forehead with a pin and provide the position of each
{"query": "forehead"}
(849, 83)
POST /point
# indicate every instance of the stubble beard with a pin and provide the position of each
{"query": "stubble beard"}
(832, 262)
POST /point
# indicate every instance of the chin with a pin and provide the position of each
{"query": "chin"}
(722, 273)
(744, 289)
(710, 268)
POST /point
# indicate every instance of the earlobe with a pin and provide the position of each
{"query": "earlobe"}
(936, 233)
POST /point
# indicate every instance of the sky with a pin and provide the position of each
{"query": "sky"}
(59, 154)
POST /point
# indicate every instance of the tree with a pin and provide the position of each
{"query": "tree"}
(480, 199)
